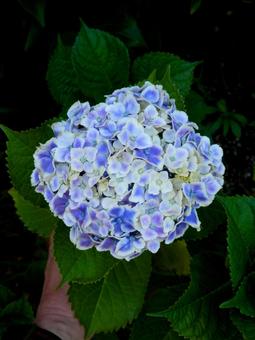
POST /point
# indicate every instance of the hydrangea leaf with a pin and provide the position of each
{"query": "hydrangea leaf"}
(61, 77)
(211, 218)
(181, 70)
(241, 234)
(36, 219)
(174, 258)
(19, 312)
(79, 265)
(20, 149)
(172, 89)
(246, 326)
(196, 314)
(100, 60)
(244, 298)
(6, 295)
(148, 328)
(197, 107)
(112, 302)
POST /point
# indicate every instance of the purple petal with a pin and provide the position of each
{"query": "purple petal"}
(153, 246)
(84, 242)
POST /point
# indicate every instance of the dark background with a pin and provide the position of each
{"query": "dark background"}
(219, 33)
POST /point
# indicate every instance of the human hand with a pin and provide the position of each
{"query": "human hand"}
(54, 312)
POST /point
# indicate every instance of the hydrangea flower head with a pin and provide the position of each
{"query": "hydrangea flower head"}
(129, 173)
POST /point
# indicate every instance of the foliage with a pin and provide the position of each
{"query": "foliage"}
(107, 294)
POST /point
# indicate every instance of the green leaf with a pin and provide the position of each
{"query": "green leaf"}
(196, 314)
(148, 328)
(246, 326)
(112, 302)
(211, 218)
(79, 265)
(132, 34)
(173, 258)
(172, 89)
(6, 295)
(62, 80)
(17, 313)
(226, 124)
(108, 336)
(36, 8)
(195, 5)
(197, 108)
(36, 219)
(181, 70)
(20, 149)
(101, 62)
(240, 118)
(241, 236)
(236, 128)
(244, 298)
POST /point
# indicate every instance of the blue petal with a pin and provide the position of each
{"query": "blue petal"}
(151, 94)
(84, 242)
(192, 219)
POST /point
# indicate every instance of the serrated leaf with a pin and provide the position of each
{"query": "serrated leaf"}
(20, 149)
(246, 326)
(211, 218)
(181, 70)
(173, 258)
(244, 298)
(241, 234)
(112, 302)
(101, 62)
(36, 219)
(62, 80)
(79, 265)
(18, 312)
(196, 314)
(169, 85)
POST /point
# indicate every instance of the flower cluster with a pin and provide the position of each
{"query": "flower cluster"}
(128, 173)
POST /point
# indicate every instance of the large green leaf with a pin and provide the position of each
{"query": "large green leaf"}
(181, 70)
(246, 326)
(101, 62)
(79, 265)
(196, 314)
(241, 234)
(20, 149)
(211, 218)
(62, 80)
(36, 219)
(112, 302)
(244, 299)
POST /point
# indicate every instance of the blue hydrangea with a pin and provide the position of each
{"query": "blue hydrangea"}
(128, 173)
